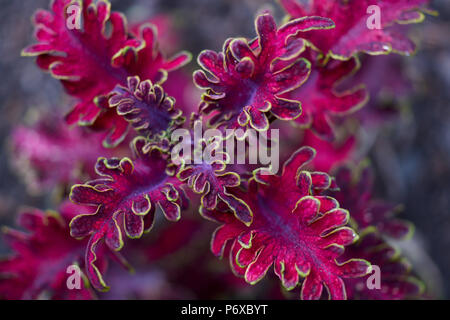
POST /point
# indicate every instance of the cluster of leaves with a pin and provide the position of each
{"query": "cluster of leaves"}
(304, 222)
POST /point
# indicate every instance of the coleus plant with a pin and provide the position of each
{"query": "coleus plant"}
(46, 247)
(298, 231)
(352, 34)
(60, 50)
(305, 221)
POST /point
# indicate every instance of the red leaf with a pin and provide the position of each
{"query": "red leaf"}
(329, 154)
(49, 154)
(320, 98)
(146, 107)
(90, 63)
(301, 234)
(211, 179)
(125, 198)
(38, 266)
(355, 195)
(396, 280)
(247, 79)
(352, 34)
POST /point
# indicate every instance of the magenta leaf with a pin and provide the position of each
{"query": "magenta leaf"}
(329, 154)
(321, 101)
(320, 233)
(396, 280)
(245, 82)
(146, 107)
(352, 34)
(213, 181)
(90, 63)
(125, 197)
(42, 254)
(297, 232)
(355, 194)
(49, 154)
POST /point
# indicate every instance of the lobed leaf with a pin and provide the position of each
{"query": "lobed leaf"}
(125, 197)
(301, 234)
(245, 82)
(90, 63)
(352, 33)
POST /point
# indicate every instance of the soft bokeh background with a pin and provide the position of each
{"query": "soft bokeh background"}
(411, 156)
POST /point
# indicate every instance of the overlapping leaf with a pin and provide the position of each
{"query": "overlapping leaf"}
(90, 63)
(395, 279)
(146, 107)
(49, 154)
(355, 195)
(354, 32)
(38, 266)
(294, 230)
(321, 101)
(211, 179)
(247, 79)
(125, 197)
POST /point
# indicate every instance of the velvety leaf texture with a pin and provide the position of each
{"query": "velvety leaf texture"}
(321, 101)
(128, 161)
(246, 80)
(352, 34)
(90, 63)
(294, 230)
(125, 196)
(146, 107)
